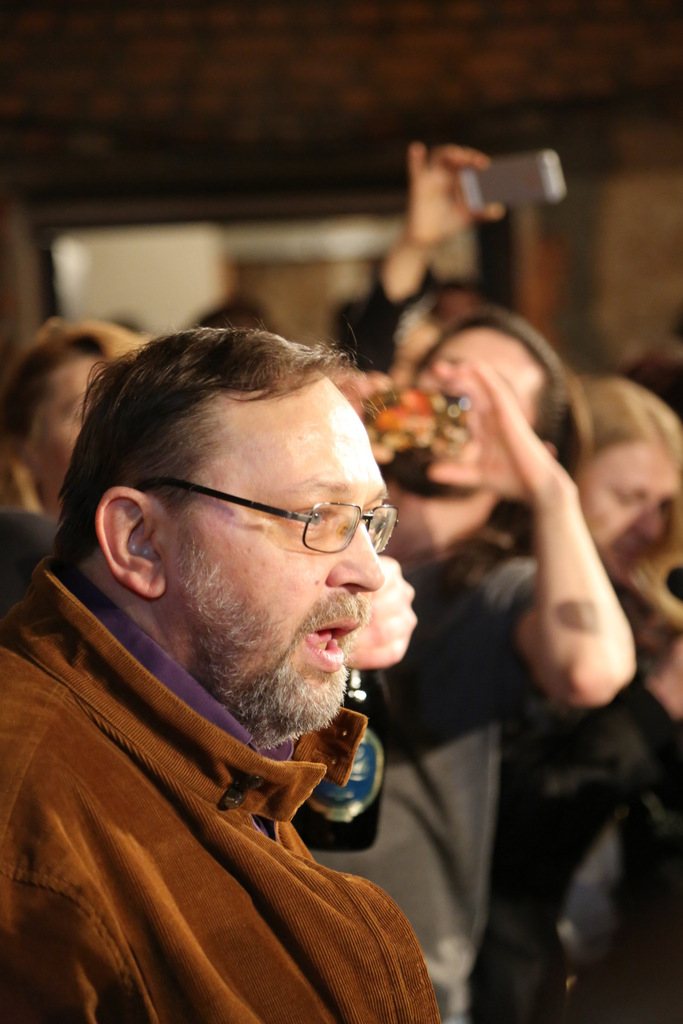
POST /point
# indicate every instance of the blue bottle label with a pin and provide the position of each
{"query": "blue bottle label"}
(344, 803)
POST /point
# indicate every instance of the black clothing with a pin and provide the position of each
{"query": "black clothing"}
(25, 539)
(367, 328)
(563, 777)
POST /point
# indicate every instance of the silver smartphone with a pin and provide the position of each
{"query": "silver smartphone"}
(515, 180)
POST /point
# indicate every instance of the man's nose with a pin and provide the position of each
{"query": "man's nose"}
(359, 565)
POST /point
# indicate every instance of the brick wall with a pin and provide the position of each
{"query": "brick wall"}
(143, 110)
(130, 92)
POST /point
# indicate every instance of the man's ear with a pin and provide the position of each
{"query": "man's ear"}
(132, 527)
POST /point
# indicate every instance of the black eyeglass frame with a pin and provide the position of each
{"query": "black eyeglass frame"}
(300, 517)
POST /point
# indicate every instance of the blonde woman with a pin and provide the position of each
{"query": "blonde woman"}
(40, 407)
(630, 486)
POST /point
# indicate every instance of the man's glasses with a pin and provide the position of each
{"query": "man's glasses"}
(329, 526)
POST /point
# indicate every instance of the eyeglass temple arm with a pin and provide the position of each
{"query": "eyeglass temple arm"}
(169, 481)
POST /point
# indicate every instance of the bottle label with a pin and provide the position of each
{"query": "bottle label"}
(344, 803)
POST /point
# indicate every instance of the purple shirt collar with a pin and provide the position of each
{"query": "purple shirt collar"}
(160, 664)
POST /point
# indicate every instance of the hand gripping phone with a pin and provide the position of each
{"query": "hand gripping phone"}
(524, 178)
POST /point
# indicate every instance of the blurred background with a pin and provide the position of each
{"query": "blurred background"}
(161, 157)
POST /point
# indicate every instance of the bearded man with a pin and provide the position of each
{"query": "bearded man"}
(171, 688)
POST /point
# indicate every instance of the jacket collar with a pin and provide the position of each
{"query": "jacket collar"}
(54, 631)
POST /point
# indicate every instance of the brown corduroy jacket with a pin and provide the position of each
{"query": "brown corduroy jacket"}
(133, 884)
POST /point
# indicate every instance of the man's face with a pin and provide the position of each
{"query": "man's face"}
(269, 622)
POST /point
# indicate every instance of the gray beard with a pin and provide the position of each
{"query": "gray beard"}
(264, 692)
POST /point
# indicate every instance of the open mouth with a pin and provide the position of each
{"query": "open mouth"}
(328, 646)
(335, 634)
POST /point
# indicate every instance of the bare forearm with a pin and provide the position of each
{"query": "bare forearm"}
(404, 268)
(576, 639)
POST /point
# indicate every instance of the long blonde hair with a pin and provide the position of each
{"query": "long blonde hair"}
(27, 383)
(623, 412)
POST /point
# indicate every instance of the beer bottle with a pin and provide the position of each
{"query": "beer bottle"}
(346, 817)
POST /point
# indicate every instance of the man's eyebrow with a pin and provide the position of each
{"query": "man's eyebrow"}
(341, 489)
(381, 494)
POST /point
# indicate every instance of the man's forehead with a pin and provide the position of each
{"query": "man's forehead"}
(319, 406)
(311, 440)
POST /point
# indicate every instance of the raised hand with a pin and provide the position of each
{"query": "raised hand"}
(384, 642)
(503, 453)
(436, 204)
(435, 210)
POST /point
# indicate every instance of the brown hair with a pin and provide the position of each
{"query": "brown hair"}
(27, 385)
(149, 414)
(554, 410)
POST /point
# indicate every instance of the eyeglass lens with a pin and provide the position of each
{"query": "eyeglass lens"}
(331, 527)
(381, 527)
